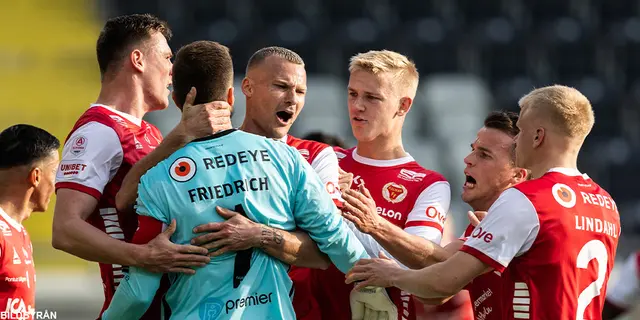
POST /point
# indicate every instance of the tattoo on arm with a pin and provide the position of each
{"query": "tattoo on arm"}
(271, 235)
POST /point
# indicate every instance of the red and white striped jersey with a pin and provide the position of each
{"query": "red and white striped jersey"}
(17, 271)
(102, 147)
(406, 194)
(554, 240)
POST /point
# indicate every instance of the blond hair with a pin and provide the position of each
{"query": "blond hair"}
(401, 68)
(567, 109)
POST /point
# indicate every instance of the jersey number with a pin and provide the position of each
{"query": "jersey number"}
(594, 249)
(243, 258)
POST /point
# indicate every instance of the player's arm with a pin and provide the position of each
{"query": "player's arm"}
(417, 245)
(197, 121)
(138, 288)
(511, 228)
(625, 292)
(316, 213)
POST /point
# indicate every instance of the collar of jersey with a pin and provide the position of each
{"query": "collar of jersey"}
(10, 220)
(132, 119)
(381, 163)
(216, 135)
(569, 172)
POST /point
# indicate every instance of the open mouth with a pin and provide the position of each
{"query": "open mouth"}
(284, 116)
(470, 182)
(358, 119)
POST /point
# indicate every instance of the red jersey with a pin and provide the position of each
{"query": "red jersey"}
(625, 291)
(554, 240)
(406, 194)
(485, 290)
(17, 272)
(323, 160)
(99, 152)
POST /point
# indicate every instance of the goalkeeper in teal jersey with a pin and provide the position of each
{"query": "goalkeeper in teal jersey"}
(264, 179)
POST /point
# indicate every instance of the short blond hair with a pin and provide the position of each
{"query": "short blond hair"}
(567, 109)
(399, 66)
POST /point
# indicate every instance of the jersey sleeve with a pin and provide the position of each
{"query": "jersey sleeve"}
(624, 292)
(149, 203)
(134, 295)
(326, 166)
(509, 230)
(428, 215)
(148, 228)
(90, 158)
(316, 213)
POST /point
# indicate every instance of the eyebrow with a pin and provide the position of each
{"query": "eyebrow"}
(366, 92)
(481, 149)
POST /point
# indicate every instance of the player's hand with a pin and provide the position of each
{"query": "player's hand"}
(164, 256)
(372, 303)
(360, 208)
(377, 272)
(345, 179)
(204, 119)
(476, 217)
(235, 234)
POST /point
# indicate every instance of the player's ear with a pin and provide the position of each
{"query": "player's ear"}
(538, 137)
(136, 58)
(247, 87)
(405, 105)
(34, 177)
(520, 175)
(230, 97)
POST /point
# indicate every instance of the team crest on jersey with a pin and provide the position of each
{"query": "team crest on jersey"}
(183, 169)
(79, 145)
(211, 308)
(340, 155)
(6, 230)
(394, 192)
(304, 153)
(564, 195)
(411, 175)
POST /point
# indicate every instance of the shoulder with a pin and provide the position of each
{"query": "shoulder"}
(414, 172)
(342, 153)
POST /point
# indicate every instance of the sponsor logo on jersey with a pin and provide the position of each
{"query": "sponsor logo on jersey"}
(119, 120)
(6, 230)
(357, 180)
(17, 309)
(564, 195)
(411, 175)
(396, 215)
(433, 213)
(331, 188)
(304, 153)
(340, 155)
(256, 299)
(79, 145)
(138, 144)
(15, 279)
(26, 256)
(483, 235)
(183, 169)
(211, 308)
(16, 257)
(70, 168)
(394, 192)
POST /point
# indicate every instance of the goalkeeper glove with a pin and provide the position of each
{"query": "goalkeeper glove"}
(372, 303)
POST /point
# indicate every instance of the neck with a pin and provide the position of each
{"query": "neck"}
(16, 207)
(382, 148)
(555, 159)
(251, 127)
(123, 96)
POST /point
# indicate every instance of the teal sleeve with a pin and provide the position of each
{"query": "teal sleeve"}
(149, 202)
(134, 295)
(315, 212)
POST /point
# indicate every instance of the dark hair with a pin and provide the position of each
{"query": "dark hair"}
(504, 121)
(281, 52)
(325, 138)
(23, 144)
(205, 65)
(121, 32)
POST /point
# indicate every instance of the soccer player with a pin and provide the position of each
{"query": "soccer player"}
(135, 67)
(624, 294)
(542, 235)
(408, 202)
(27, 171)
(261, 178)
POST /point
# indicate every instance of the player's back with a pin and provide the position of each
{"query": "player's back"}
(563, 274)
(252, 175)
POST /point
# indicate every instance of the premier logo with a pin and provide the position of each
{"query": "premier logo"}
(256, 299)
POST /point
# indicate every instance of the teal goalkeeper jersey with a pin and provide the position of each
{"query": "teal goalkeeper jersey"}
(264, 179)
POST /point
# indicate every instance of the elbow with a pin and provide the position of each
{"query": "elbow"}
(121, 203)
(324, 264)
(59, 239)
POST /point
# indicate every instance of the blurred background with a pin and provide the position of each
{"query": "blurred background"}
(473, 57)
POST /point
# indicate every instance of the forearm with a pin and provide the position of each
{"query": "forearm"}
(81, 239)
(412, 251)
(126, 197)
(294, 248)
(424, 283)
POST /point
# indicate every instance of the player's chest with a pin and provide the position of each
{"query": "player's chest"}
(394, 197)
(137, 144)
(18, 270)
